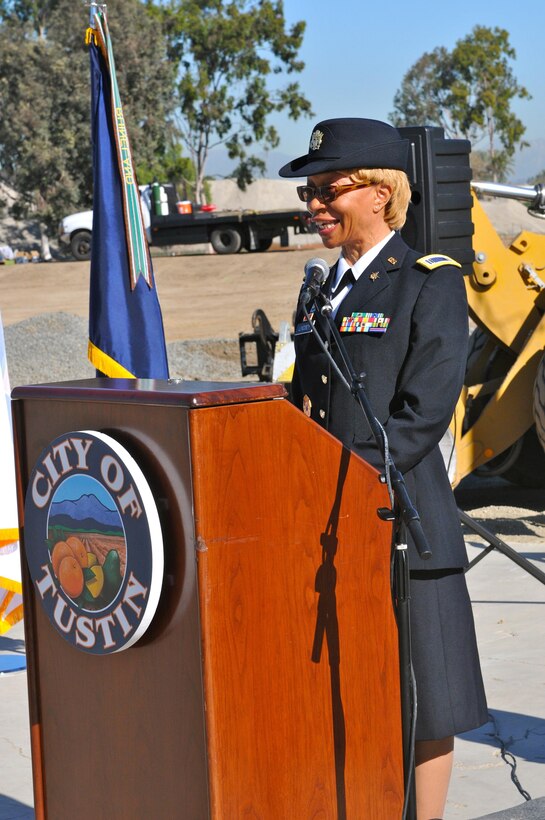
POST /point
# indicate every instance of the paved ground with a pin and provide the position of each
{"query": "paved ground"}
(509, 607)
(16, 799)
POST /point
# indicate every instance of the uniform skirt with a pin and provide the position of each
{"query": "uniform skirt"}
(449, 684)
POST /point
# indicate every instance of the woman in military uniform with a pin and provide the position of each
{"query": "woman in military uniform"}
(403, 320)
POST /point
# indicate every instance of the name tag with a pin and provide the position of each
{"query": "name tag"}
(304, 327)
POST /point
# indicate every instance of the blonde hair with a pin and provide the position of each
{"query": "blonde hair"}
(395, 212)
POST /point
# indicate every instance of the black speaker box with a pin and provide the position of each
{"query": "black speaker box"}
(439, 215)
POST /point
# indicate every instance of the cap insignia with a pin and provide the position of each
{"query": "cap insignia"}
(315, 140)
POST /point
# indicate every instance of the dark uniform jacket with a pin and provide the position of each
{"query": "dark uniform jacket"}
(414, 373)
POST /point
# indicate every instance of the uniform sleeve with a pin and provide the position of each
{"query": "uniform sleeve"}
(432, 374)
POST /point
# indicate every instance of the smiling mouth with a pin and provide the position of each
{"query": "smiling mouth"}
(324, 228)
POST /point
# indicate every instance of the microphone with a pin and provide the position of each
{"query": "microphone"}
(316, 272)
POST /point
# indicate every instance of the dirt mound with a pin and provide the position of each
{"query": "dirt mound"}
(261, 195)
(509, 218)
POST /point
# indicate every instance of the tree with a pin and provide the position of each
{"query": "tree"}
(424, 96)
(228, 51)
(175, 168)
(469, 92)
(483, 168)
(45, 136)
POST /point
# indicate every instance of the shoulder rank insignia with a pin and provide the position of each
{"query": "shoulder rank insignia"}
(436, 260)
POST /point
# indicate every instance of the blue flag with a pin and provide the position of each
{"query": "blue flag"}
(126, 336)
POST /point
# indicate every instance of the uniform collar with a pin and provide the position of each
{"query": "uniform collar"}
(376, 278)
(362, 263)
(391, 256)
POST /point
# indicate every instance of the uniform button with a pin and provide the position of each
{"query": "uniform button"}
(322, 414)
(324, 378)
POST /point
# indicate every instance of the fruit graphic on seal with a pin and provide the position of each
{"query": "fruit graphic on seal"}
(71, 576)
(80, 553)
(95, 583)
(60, 550)
(112, 574)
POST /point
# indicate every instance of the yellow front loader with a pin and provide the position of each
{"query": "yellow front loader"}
(493, 429)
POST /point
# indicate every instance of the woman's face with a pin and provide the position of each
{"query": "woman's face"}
(354, 220)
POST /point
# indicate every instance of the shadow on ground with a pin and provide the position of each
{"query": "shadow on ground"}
(14, 810)
(521, 735)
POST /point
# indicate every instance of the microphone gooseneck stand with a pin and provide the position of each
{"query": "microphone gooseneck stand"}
(404, 517)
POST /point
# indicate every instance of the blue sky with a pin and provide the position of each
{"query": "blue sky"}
(77, 485)
(356, 55)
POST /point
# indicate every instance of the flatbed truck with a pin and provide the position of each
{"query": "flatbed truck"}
(169, 222)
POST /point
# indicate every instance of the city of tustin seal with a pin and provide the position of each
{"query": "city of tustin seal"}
(93, 542)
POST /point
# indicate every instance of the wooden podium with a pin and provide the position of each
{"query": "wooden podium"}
(267, 685)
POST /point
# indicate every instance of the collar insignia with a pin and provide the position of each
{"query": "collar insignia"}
(392, 260)
(374, 276)
(315, 140)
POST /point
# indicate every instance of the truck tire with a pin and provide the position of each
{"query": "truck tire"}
(528, 469)
(226, 240)
(262, 246)
(80, 245)
(523, 463)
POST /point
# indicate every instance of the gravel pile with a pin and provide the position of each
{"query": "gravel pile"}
(205, 360)
(52, 347)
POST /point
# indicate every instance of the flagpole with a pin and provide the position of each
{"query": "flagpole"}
(93, 7)
(126, 335)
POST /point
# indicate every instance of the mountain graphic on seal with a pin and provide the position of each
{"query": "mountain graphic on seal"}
(85, 513)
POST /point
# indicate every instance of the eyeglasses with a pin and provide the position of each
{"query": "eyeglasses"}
(327, 193)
